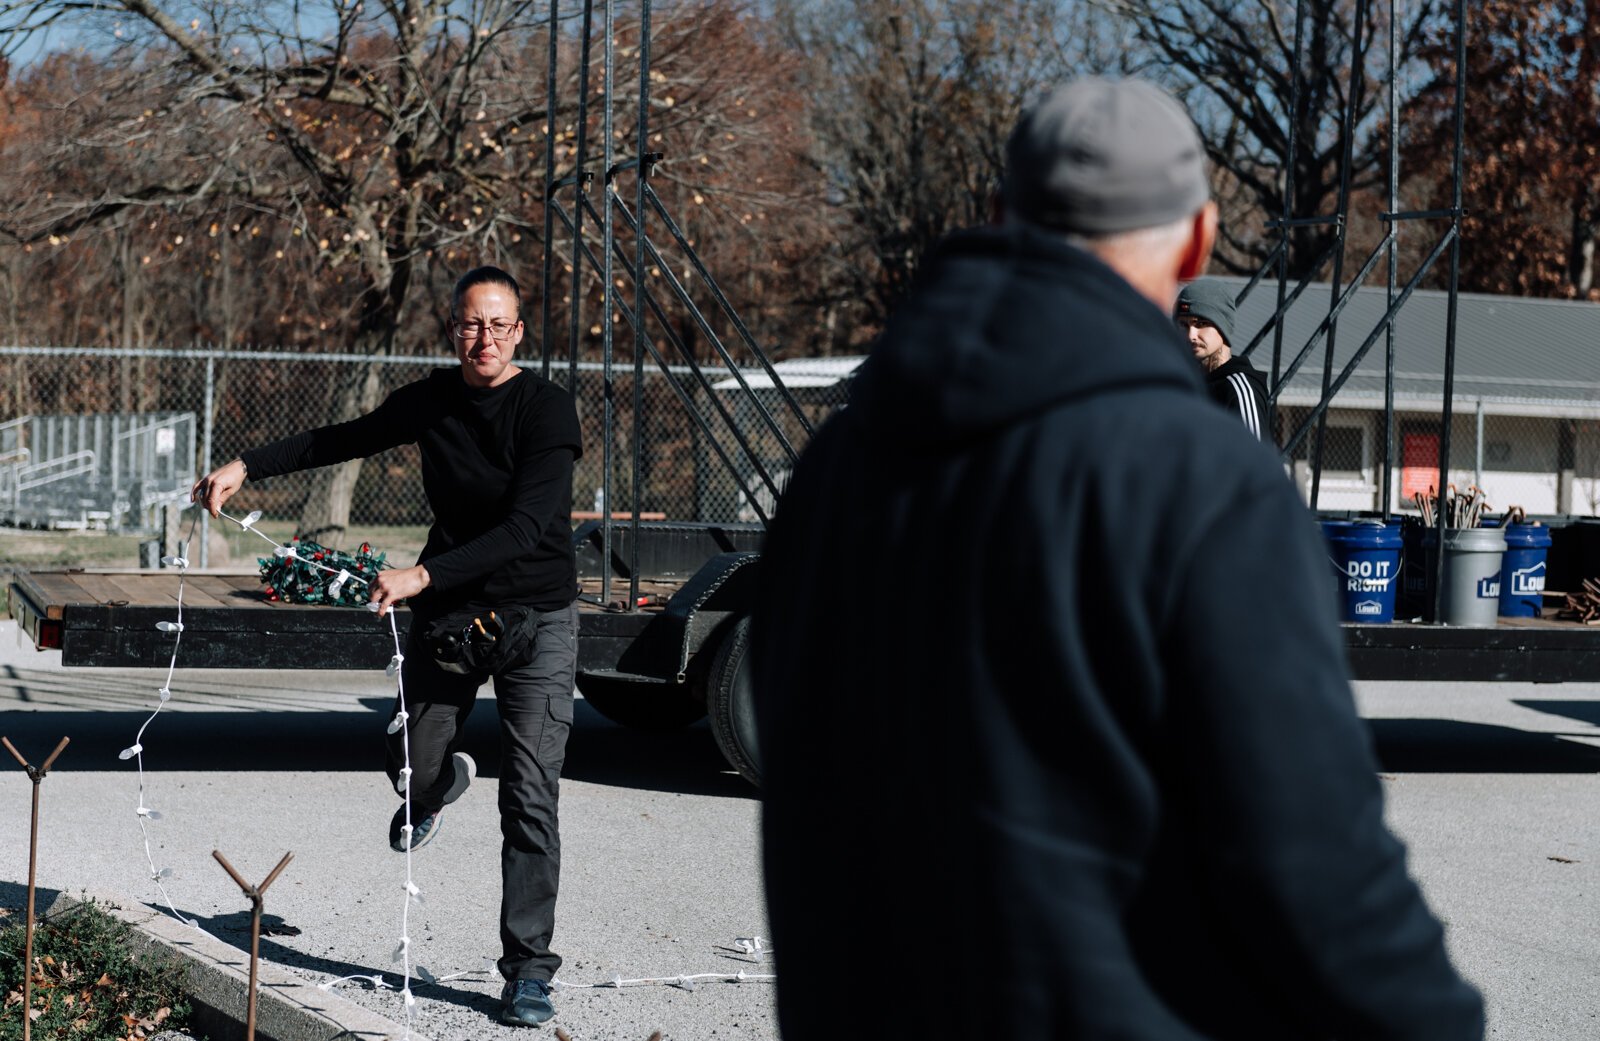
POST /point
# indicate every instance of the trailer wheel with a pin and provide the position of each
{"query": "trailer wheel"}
(730, 702)
(640, 706)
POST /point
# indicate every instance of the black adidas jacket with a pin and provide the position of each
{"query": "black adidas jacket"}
(1236, 385)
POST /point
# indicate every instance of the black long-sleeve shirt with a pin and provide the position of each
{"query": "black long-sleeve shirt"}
(497, 472)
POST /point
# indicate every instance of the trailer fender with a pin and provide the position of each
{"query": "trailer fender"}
(719, 593)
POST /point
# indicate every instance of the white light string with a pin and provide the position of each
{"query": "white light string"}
(751, 945)
(745, 945)
(402, 952)
(400, 723)
(755, 946)
(135, 751)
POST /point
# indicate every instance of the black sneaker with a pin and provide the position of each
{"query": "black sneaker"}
(422, 831)
(526, 1003)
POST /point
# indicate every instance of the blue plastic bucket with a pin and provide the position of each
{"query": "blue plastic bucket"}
(1366, 562)
(1522, 570)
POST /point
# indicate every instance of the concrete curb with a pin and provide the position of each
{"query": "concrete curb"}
(287, 1007)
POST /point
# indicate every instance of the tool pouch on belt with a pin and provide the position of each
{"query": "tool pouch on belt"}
(482, 641)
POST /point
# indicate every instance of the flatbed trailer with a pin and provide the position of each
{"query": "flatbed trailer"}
(107, 618)
(657, 654)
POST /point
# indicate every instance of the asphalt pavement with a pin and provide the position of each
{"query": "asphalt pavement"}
(1495, 788)
(659, 843)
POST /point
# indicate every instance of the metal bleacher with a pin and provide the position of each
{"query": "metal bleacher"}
(107, 471)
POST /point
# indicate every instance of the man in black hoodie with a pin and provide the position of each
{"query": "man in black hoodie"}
(1014, 737)
(1205, 313)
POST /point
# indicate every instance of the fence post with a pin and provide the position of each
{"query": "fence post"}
(205, 455)
(1478, 470)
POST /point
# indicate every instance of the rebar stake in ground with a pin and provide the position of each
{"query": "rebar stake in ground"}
(254, 893)
(33, 860)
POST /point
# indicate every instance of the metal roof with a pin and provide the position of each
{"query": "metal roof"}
(1517, 356)
(800, 372)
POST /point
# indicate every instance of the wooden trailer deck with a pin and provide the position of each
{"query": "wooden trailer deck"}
(108, 618)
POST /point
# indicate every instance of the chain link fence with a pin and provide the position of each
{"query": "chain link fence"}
(104, 439)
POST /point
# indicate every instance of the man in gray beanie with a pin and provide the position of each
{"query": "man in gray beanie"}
(1205, 313)
(1054, 766)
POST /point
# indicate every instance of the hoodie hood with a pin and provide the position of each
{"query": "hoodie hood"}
(1004, 323)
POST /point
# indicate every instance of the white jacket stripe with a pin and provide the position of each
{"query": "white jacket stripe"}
(1247, 403)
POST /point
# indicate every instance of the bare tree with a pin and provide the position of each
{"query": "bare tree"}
(1532, 198)
(330, 164)
(375, 132)
(1234, 63)
(913, 103)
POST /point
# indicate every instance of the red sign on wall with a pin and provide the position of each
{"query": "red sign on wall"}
(1419, 465)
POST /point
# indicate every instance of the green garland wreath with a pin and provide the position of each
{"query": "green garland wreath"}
(295, 577)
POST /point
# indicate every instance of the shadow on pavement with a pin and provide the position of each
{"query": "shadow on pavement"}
(234, 928)
(1453, 746)
(598, 751)
(1583, 711)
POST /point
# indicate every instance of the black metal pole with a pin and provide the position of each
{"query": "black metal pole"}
(1288, 211)
(639, 273)
(1447, 409)
(580, 175)
(607, 383)
(551, 128)
(1377, 330)
(1387, 501)
(681, 295)
(1347, 133)
(683, 395)
(704, 384)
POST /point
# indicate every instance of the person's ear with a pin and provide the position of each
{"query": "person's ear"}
(1202, 236)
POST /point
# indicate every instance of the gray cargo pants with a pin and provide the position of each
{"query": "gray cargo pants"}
(535, 703)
